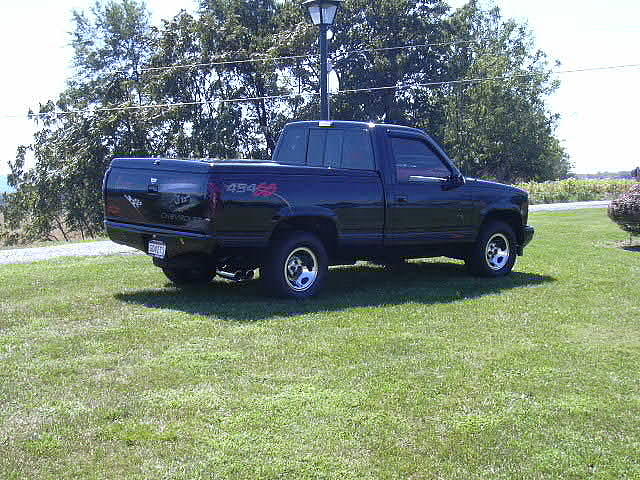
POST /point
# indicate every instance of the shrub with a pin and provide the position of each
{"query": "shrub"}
(625, 211)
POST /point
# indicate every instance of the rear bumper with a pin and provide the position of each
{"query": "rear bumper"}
(178, 242)
(526, 235)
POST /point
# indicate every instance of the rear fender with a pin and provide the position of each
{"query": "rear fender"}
(317, 220)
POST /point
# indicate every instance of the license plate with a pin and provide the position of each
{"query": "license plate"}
(157, 248)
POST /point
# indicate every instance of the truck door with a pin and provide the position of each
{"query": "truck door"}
(424, 207)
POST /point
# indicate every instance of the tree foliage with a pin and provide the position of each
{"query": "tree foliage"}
(500, 128)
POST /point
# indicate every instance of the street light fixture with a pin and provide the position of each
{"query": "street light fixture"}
(323, 13)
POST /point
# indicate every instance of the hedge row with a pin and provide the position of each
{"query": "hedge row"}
(573, 190)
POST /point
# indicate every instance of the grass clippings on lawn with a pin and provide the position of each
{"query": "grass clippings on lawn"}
(107, 371)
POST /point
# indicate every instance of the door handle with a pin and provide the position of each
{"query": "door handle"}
(402, 199)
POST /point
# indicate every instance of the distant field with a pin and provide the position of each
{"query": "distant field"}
(575, 190)
(73, 237)
(418, 373)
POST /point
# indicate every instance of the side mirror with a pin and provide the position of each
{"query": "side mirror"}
(453, 181)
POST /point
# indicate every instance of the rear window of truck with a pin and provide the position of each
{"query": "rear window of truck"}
(323, 147)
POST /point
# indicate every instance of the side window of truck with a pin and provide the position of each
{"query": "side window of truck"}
(415, 158)
(293, 147)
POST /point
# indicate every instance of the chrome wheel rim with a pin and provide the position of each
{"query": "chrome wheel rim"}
(497, 251)
(301, 269)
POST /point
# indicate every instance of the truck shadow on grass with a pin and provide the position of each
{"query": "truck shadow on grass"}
(363, 285)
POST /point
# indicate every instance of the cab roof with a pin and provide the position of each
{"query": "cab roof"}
(350, 124)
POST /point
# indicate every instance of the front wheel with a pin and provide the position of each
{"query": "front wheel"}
(296, 266)
(494, 253)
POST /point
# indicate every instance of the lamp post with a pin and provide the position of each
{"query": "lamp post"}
(323, 13)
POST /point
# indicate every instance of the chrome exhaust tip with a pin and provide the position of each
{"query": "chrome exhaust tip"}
(237, 276)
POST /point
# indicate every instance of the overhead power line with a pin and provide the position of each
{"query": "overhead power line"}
(288, 57)
(406, 47)
(486, 79)
(311, 94)
(224, 62)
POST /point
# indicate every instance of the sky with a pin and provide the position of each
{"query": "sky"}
(598, 110)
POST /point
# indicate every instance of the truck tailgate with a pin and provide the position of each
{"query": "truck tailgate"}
(170, 194)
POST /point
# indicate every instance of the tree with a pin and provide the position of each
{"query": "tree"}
(500, 127)
(469, 77)
(72, 150)
(366, 58)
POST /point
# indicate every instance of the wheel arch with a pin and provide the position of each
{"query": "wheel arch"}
(323, 227)
(510, 217)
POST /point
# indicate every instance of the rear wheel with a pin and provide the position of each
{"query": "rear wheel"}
(494, 253)
(296, 266)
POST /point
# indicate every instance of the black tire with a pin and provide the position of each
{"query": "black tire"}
(494, 253)
(192, 270)
(296, 266)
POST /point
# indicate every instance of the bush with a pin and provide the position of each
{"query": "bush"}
(625, 211)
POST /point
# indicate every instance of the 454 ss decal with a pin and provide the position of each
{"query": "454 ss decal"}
(257, 189)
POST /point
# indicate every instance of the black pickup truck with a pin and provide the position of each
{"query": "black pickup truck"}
(334, 193)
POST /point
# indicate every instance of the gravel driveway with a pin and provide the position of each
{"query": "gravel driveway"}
(93, 249)
(89, 249)
(553, 207)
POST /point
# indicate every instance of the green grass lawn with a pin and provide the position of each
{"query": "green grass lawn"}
(106, 371)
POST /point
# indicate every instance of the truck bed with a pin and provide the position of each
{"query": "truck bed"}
(236, 203)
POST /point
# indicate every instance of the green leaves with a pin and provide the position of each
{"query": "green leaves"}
(501, 127)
